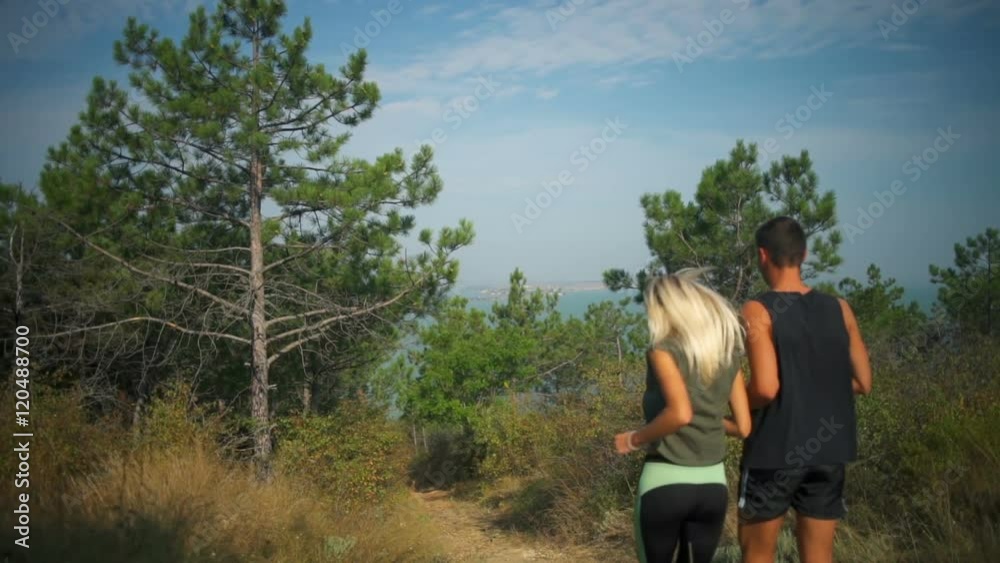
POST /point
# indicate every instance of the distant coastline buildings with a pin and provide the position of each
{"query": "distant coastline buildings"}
(496, 293)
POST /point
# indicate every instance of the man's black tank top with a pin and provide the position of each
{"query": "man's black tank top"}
(812, 420)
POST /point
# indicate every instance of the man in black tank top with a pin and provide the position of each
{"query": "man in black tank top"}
(807, 361)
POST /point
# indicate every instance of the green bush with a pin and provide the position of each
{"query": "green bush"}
(515, 439)
(594, 485)
(354, 454)
(175, 421)
(574, 485)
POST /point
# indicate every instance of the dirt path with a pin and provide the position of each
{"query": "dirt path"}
(471, 533)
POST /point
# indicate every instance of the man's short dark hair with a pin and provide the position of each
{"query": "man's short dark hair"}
(784, 240)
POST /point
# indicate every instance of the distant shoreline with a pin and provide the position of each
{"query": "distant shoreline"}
(494, 292)
(923, 295)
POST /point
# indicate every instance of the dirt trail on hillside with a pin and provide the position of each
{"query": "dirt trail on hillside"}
(472, 533)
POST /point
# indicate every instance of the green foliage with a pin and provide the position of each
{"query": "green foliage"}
(157, 198)
(468, 358)
(613, 330)
(969, 292)
(455, 363)
(717, 228)
(574, 484)
(353, 454)
(177, 421)
(928, 444)
(515, 439)
(880, 310)
(17, 232)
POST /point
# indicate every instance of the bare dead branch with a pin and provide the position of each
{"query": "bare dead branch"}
(316, 327)
(151, 275)
(163, 322)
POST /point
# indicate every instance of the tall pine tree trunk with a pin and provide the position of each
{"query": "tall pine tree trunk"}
(989, 286)
(258, 383)
(18, 262)
(307, 395)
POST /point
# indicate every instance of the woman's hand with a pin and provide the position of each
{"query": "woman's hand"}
(624, 444)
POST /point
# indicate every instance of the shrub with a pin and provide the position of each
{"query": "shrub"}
(515, 439)
(594, 485)
(354, 454)
(176, 421)
(574, 486)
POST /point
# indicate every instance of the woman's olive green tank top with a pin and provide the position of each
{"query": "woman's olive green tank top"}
(703, 441)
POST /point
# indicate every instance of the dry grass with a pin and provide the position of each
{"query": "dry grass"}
(164, 493)
(193, 507)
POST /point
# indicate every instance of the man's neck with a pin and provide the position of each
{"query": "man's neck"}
(788, 280)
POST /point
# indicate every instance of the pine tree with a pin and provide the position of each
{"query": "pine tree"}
(717, 229)
(970, 291)
(218, 128)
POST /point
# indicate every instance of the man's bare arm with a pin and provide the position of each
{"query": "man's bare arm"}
(861, 381)
(764, 383)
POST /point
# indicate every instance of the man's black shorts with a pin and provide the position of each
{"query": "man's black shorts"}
(815, 491)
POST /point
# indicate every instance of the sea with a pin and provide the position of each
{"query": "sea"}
(570, 304)
(575, 303)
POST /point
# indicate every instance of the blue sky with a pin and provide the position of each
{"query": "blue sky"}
(683, 81)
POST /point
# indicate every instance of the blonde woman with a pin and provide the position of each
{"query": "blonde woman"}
(693, 370)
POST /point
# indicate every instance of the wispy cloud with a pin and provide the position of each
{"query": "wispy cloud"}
(903, 47)
(425, 107)
(633, 79)
(470, 13)
(615, 32)
(431, 9)
(547, 93)
(510, 91)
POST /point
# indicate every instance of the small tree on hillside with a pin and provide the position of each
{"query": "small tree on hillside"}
(717, 228)
(886, 320)
(969, 292)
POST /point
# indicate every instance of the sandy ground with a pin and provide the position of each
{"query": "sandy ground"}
(470, 532)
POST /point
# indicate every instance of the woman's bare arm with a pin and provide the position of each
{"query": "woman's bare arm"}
(678, 412)
(738, 425)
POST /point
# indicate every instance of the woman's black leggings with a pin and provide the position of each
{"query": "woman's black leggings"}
(680, 517)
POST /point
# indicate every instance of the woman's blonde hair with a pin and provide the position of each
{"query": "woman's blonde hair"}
(701, 321)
